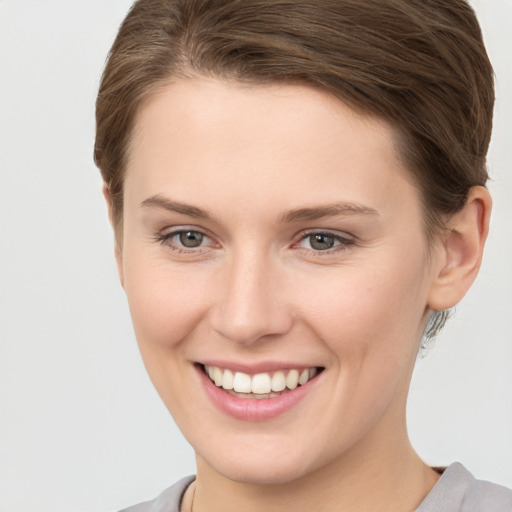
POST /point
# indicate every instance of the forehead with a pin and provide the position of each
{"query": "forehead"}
(202, 137)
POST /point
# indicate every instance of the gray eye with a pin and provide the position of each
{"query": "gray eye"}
(191, 238)
(322, 241)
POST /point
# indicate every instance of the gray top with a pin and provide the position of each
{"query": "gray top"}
(456, 491)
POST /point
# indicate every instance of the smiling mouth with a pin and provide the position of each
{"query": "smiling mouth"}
(260, 385)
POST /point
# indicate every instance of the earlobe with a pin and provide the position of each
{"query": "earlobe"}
(117, 248)
(461, 250)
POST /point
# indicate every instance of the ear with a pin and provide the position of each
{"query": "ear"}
(460, 250)
(117, 247)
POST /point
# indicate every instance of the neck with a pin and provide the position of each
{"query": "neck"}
(368, 478)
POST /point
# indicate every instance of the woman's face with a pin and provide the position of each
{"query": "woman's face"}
(270, 229)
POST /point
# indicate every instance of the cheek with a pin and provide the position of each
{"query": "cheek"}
(166, 306)
(165, 303)
(360, 309)
(371, 320)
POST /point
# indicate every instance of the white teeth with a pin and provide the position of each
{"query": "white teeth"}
(278, 381)
(261, 385)
(304, 377)
(242, 382)
(217, 376)
(292, 379)
(228, 380)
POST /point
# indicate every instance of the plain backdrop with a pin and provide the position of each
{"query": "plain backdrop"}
(81, 428)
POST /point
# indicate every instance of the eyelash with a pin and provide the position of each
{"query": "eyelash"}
(165, 239)
(343, 243)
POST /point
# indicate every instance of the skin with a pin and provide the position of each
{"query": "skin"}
(257, 290)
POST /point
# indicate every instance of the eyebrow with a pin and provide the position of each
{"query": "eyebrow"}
(328, 210)
(299, 214)
(175, 206)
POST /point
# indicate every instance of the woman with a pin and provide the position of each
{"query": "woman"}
(298, 195)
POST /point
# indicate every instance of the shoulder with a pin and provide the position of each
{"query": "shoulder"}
(168, 501)
(484, 495)
(459, 491)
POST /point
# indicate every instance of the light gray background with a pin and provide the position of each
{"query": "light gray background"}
(81, 428)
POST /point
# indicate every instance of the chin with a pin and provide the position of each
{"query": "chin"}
(261, 467)
(268, 473)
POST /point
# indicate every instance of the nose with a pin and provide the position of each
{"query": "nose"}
(251, 305)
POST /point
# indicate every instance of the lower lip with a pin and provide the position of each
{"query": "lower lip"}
(254, 409)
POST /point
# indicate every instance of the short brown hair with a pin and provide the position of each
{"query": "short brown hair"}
(419, 64)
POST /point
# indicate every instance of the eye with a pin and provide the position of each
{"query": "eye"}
(185, 240)
(321, 241)
(189, 239)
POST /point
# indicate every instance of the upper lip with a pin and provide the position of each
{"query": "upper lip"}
(256, 367)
